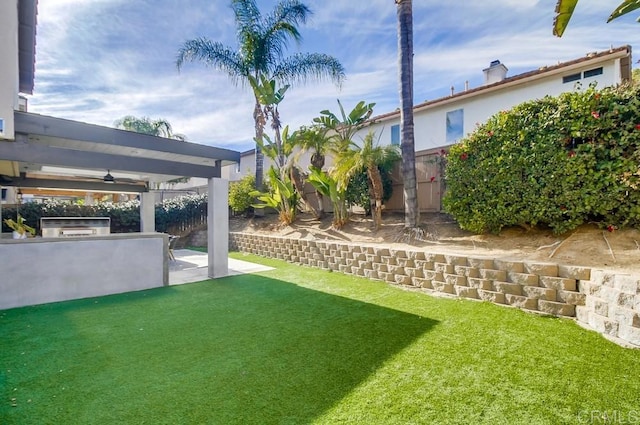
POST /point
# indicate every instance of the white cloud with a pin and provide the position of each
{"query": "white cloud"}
(98, 60)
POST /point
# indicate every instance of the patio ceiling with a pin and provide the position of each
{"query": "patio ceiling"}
(56, 153)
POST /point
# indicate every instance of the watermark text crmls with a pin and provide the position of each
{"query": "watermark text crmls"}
(617, 417)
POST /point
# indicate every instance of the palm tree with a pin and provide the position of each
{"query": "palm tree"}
(145, 125)
(564, 11)
(262, 41)
(266, 93)
(159, 128)
(333, 134)
(405, 59)
(369, 157)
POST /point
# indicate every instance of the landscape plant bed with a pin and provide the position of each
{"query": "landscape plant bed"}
(301, 345)
(587, 246)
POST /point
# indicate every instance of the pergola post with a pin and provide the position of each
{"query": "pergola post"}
(218, 227)
(147, 212)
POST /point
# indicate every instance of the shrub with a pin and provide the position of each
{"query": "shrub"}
(558, 161)
(358, 188)
(171, 215)
(240, 198)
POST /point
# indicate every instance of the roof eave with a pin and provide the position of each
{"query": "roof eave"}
(27, 21)
(543, 72)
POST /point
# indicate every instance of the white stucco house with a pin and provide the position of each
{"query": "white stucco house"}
(441, 122)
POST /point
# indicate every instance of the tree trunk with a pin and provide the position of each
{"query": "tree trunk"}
(375, 180)
(296, 179)
(275, 125)
(317, 161)
(320, 205)
(259, 120)
(405, 59)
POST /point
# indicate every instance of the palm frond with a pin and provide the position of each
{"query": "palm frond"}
(624, 8)
(248, 18)
(213, 54)
(304, 66)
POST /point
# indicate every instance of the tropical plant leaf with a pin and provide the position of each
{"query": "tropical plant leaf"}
(624, 8)
(564, 11)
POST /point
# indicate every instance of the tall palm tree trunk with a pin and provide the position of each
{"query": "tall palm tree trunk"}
(405, 59)
(260, 122)
(375, 180)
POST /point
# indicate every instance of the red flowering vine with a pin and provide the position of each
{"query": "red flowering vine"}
(571, 154)
(595, 114)
(464, 156)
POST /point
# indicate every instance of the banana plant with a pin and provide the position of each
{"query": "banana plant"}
(565, 8)
(345, 127)
(328, 186)
(281, 196)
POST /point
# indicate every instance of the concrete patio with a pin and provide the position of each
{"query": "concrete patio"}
(192, 266)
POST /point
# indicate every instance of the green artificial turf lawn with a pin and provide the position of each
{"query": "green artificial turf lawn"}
(297, 345)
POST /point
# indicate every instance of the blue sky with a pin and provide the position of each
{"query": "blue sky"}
(99, 60)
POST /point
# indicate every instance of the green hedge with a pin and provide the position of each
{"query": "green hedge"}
(172, 215)
(558, 162)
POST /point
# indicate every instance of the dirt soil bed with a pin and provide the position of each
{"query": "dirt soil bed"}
(587, 246)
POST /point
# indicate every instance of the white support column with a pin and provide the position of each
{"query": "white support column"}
(147, 212)
(218, 227)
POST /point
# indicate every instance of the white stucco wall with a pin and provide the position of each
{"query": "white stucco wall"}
(9, 80)
(248, 165)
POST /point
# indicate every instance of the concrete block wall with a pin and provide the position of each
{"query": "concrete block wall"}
(612, 305)
(606, 303)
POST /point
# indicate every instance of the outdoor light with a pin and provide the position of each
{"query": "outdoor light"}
(108, 178)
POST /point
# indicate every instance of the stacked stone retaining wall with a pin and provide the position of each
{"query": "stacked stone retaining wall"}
(605, 302)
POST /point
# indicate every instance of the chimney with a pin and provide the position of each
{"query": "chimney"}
(22, 104)
(495, 73)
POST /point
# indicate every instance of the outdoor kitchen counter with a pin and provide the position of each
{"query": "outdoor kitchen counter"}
(41, 270)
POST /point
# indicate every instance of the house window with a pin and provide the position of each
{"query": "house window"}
(593, 72)
(570, 78)
(455, 122)
(4, 194)
(1, 126)
(395, 134)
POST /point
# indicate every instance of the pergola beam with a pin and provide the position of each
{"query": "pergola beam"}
(86, 186)
(33, 124)
(24, 151)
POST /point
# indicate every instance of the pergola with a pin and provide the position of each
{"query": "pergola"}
(48, 154)
(54, 153)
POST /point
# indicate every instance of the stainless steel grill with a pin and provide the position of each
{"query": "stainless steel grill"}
(60, 227)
